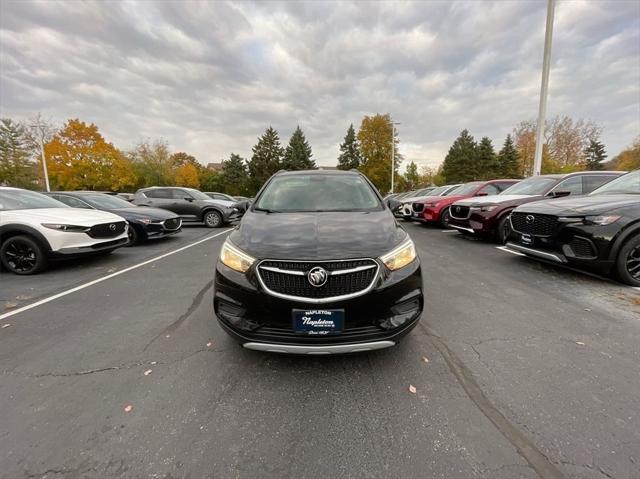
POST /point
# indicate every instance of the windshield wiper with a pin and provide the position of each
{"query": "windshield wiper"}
(267, 210)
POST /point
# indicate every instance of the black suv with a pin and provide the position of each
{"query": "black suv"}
(600, 231)
(188, 203)
(318, 265)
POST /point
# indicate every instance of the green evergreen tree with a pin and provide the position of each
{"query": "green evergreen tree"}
(411, 176)
(234, 172)
(459, 164)
(266, 159)
(486, 160)
(349, 151)
(595, 155)
(16, 167)
(509, 160)
(297, 155)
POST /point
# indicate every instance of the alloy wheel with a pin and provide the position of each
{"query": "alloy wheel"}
(633, 263)
(20, 256)
(212, 219)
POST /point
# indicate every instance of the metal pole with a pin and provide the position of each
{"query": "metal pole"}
(546, 63)
(393, 153)
(44, 164)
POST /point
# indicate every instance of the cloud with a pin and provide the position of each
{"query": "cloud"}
(210, 77)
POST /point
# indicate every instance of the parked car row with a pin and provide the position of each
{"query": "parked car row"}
(597, 228)
(36, 228)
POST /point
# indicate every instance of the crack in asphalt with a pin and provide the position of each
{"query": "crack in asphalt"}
(197, 300)
(125, 366)
(591, 467)
(525, 447)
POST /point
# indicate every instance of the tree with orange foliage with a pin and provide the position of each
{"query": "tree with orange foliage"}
(629, 158)
(187, 175)
(79, 158)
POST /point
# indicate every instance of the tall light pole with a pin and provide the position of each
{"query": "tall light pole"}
(41, 129)
(546, 63)
(393, 152)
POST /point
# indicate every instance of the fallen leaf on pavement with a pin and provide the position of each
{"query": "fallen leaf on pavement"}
(587, 309)
(153, 363)
(23, 297)
(147, 372)
(580, 343)
(209, 344)
(128, 408)
(6, 325)
(412, 389)
(111, 270)
(425, 359)
(9, 305)
(168, 336)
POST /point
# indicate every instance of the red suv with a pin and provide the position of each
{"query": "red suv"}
(436, 209)
(489, 216)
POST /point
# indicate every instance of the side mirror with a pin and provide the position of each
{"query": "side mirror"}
(560, 194)
(188, 198)
(393, 204)
(482, 193)
(242, 206)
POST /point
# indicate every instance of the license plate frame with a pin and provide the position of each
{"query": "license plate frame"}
(317, 322)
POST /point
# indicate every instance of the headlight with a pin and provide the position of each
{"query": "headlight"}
(235, 259)
(483, 208)
(400, 256)
(145, 221)
(601, 220)
(69, 228)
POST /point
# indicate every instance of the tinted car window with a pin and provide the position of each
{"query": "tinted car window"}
(159, 193)
(71, 201)
(591, 182)
(573, 185)
(536, 185)
(24, 200)
(627, 184)
(178, 194)
(490, 189)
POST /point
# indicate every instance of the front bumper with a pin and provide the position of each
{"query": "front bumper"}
(94, 248)
(477, 223)
(377, 319)
(159, 229)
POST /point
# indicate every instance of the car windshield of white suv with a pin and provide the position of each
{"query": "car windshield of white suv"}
(532, 186)
(26, 200)
(106, 202)
(318, 193)
(628, 184)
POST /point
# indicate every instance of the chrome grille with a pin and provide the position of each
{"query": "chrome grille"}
(346, 279)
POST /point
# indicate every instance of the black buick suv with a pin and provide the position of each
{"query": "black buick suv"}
(599, 231)
(318, 265)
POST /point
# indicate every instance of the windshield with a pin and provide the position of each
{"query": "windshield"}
(198, 195)
(107, 202)
(25, 200)
(439, 190)
(315, 193)
(627, 184)
(466, 189)
(536, 185)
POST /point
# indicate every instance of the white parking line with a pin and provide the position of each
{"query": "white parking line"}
(109, 276)
(448, 231)
(504, 248)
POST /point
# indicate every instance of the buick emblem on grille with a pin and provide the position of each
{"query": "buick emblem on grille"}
(530, 219)
(317, 276)
(112, 226)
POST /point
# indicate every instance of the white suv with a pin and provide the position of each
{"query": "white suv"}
(35, 228)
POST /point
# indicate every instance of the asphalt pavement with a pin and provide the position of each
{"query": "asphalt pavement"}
(520, 369)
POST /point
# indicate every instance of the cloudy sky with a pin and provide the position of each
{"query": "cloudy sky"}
(209, 77)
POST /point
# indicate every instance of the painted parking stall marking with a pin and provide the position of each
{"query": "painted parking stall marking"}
(109, 276)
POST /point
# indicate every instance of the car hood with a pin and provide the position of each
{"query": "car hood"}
(496, 199)
(315, 236)
(426, 199)
(139, 212)
(71, 216)
(581, 205)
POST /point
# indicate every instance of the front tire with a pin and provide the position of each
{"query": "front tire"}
(628, 262)
(445, 217)
(212, 219)
(504, 229)
(134, 236)
(23, 255)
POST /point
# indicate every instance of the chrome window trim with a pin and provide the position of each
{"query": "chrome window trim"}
(301, 273)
